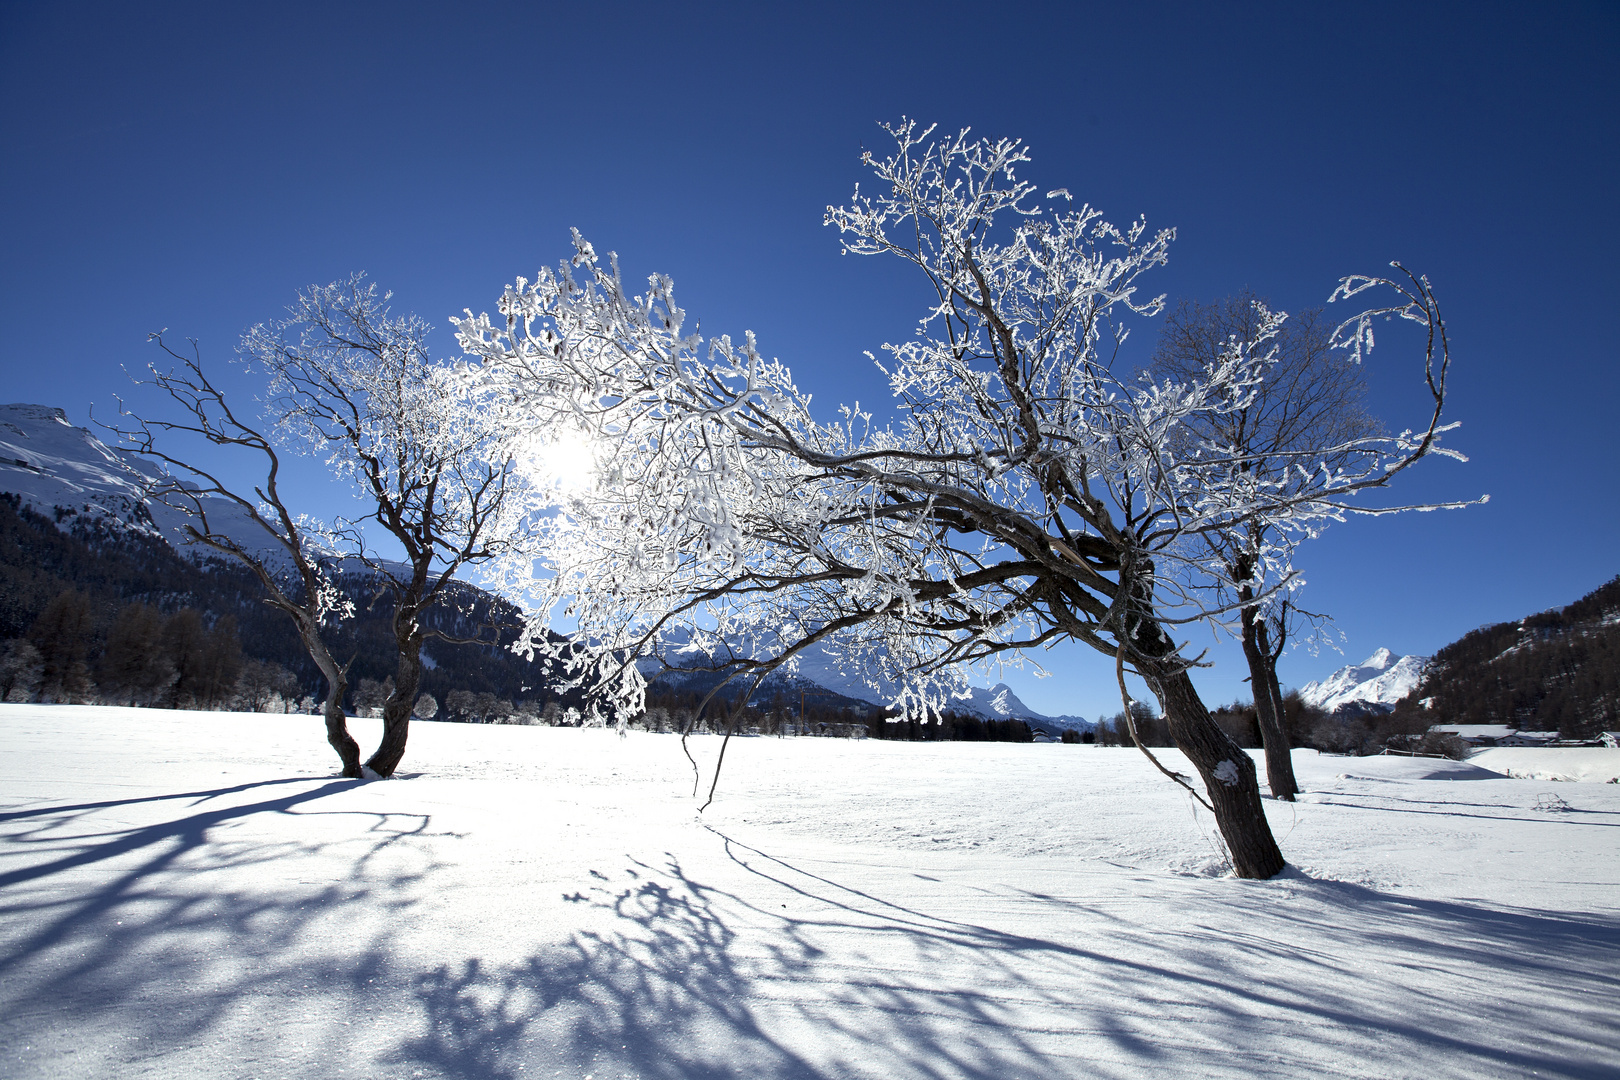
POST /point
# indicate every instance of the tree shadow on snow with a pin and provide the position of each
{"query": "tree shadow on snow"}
(767, 966)
(150, 934)
(799, 976)
(1564, 814)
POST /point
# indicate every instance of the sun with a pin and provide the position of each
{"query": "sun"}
(564, 459)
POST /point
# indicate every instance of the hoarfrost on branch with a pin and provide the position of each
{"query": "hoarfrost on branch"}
(1027, 491)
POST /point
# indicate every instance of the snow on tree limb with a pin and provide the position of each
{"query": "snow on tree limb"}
(1025, 493)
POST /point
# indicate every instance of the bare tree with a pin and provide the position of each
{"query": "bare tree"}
(1025, 495)
(1312, 396)
(289, 555)
(420, 441)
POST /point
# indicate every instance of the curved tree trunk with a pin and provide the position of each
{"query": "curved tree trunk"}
(1268, 708)
(1228, 773)
(397, 709)
(337, 684)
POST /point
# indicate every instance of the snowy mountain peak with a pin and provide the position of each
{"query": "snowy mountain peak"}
(52, 466)
(36, 412)
(50, 463)
(1380, 659)
(1378, 681)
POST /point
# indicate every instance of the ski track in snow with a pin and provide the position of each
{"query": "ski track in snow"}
(195, 894)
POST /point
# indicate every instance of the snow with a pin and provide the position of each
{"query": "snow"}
(1381, 679)
(51, 463)
(1572, 763)
(195, 894)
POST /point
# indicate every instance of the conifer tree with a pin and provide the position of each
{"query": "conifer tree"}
(134, 668)
(64, 634)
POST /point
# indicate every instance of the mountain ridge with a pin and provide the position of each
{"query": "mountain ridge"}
(1557, 670)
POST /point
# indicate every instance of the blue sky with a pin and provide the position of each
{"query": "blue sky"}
(192, 166)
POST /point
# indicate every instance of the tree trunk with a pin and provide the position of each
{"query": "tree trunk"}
(1268, 708)
(1274, 689)
(337, 733)
(397, 709)
(337, 684)
(1228, 773)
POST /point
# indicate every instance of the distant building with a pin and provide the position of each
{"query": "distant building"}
(1528, 738)
(1476, 734)
(1503, 735)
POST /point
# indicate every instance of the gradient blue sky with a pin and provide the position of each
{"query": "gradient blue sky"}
(191, 166)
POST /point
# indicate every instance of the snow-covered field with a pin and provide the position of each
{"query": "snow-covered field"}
(1566, 763)
(195, 895)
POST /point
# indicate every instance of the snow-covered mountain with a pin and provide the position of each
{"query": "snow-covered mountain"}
(52, 464)
(63, 472)
(1376, 683)
(820, 669)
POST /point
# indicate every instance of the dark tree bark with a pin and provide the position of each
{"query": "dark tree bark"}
(1269, 653)
(1267, 701)
(1228, 773)
(397, 709)
(337, 685)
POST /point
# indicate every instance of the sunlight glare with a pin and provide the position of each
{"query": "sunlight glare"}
(566, 461)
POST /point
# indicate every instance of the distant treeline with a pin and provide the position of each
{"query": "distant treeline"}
(101, 578)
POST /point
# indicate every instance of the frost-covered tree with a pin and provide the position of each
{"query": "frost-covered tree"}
(370, 695)
(265, 686)
(357, 386)
(1024, 494)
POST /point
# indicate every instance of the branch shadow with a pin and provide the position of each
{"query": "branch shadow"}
(1564, 814)
(53, 810)
(763, 965)
(696, 981)
(159, 930)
